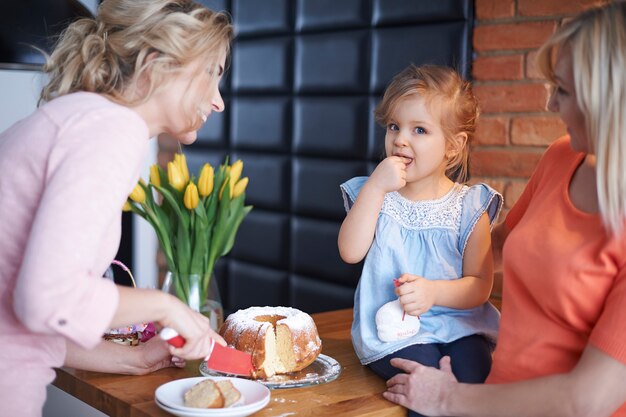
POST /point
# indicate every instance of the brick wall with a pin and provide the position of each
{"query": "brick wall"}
(514, 128)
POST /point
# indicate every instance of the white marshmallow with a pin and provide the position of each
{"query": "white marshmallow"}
(390, 324)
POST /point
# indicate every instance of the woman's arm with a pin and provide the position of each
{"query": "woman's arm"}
(593, 388)
(115, 358)
(471, 290)
(138, 305)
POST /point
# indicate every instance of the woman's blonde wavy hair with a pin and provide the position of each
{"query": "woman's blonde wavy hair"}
(597, 40)
(459, 108)
(108, 54)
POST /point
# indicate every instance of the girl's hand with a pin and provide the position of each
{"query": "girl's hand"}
(417, 295)
(421, 388)
(390, 174)
(192, 326)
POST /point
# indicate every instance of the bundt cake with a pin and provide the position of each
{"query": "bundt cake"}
(280, 339)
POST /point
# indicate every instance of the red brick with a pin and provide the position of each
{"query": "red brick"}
(553, 7)
(513, 191)
(509, 36)
(492, 131)
(509, 163)
(496, 184)
(519, 97)
(500, 67)
(536, 130)
(532, 71)
(494, 9)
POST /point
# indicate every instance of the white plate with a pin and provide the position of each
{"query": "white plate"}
(169, 397)
(207, 412)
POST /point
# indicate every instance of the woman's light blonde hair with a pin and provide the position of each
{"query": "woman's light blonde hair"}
(597, 40)
(108, 54)
(459, 108)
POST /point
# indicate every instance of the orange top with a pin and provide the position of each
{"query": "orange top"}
(564, 279)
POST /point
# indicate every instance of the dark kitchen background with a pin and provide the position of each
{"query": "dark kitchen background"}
(304, 79)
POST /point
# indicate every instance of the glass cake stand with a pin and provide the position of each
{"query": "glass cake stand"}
(323, 369)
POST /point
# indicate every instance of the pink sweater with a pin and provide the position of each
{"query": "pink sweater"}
(65, 172)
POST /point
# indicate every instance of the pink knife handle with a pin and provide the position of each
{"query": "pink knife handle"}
(172, 337)
(177, 341)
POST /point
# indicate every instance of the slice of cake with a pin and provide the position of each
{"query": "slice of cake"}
(204, 394)
(229, 392)
(211, 394)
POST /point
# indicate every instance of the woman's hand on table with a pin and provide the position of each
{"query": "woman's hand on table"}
(156, 355)
(194, 327)
(115, 358)
(422, 388)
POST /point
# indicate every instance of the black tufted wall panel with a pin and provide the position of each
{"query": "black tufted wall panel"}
(304, 79)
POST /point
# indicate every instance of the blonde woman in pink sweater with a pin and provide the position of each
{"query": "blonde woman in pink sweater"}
(141, 68)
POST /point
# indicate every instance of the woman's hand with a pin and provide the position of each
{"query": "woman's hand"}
(122, 359)
(390, 174)
(194, 327)
(155, 355)
(422, 388)
(417, 295)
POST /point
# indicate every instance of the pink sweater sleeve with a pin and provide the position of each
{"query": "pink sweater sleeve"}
(92, 167)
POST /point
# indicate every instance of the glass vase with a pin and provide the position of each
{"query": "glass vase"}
(190, 292)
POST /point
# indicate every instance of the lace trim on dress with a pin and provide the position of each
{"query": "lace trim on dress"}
(444, 212)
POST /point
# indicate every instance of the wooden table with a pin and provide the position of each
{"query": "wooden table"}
(357, 391)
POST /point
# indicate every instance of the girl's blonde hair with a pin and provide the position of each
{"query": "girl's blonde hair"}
(459, 108)
(597, 40)
(107, 55)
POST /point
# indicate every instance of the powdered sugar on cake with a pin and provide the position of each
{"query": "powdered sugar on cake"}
(280, 339)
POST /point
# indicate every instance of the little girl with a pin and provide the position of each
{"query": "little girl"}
(424, 235)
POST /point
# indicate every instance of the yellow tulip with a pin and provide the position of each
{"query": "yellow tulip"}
(155, 178)
(126, 206)
(138, 195)
(240, 187)
(222, 189)
(235, 173)
(181, 161)
(175, 177)
(191, 196)
(205, 182)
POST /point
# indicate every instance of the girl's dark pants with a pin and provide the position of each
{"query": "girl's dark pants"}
(470, 358)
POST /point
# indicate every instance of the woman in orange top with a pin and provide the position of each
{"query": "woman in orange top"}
(562, 343)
